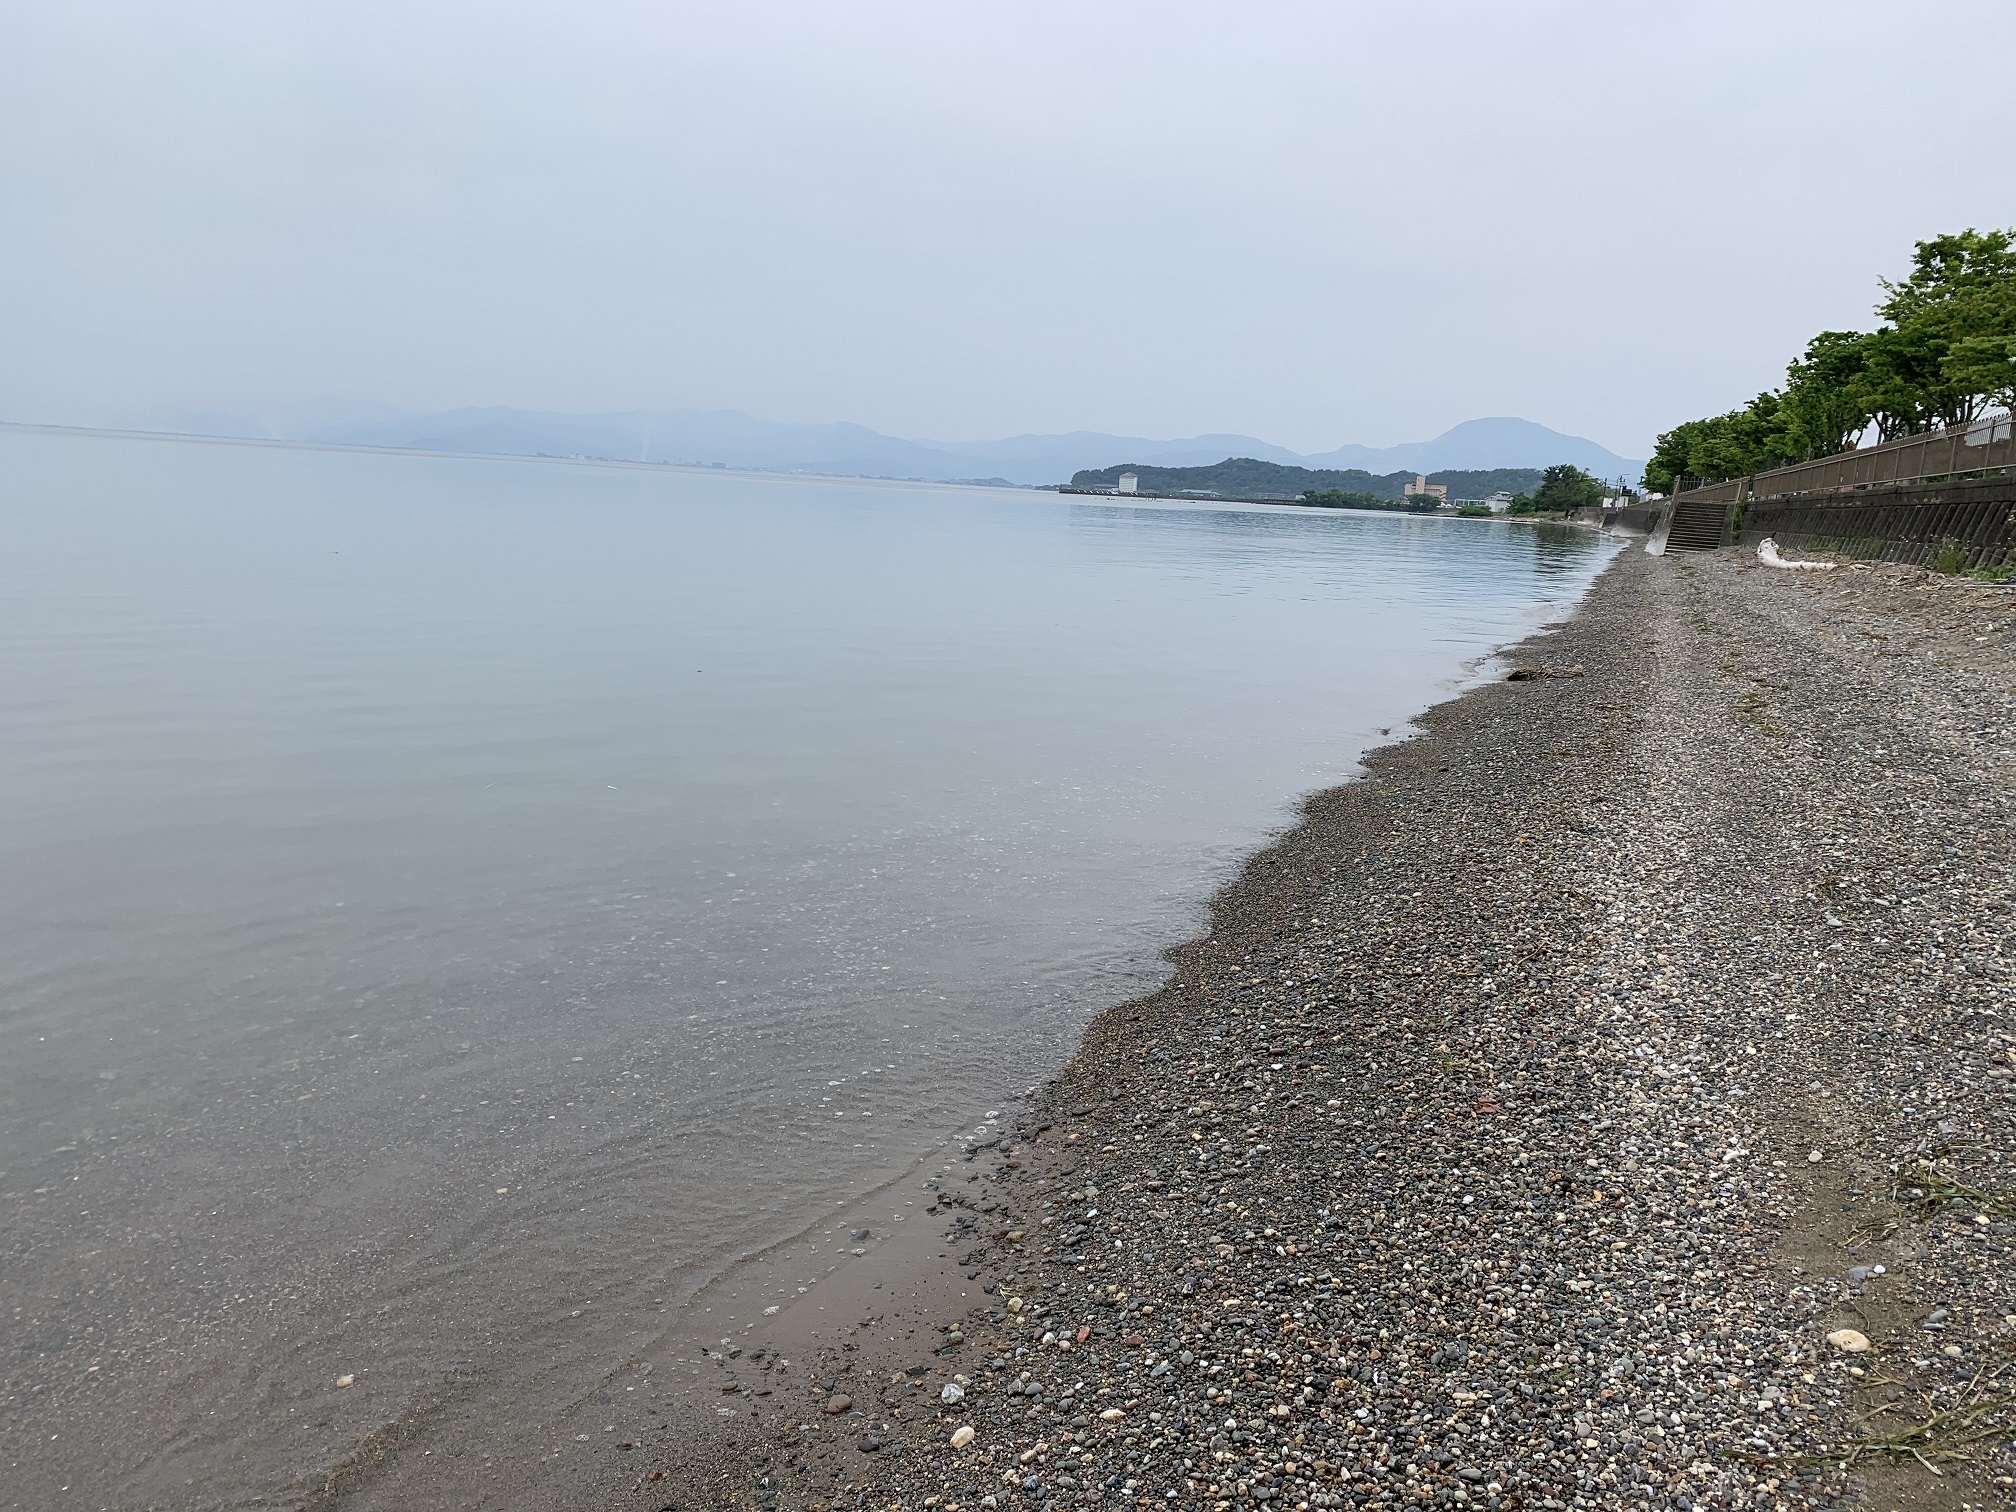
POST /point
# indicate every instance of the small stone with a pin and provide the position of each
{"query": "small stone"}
(1815, 1157)
(1111, 1415)
(952, 1392)
(1848, 1340)
(839, 1404)
(1952, 1351)
(962, 1436)
(346, 1380)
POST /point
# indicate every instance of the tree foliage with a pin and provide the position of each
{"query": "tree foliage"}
(1946, 352)
(1563, 490)
(1338, 498)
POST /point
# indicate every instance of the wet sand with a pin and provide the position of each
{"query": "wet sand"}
(1526, 1130)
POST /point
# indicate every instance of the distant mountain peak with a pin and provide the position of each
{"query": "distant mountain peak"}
(1495, 441)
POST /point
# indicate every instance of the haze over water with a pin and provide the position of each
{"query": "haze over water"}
(443, 896)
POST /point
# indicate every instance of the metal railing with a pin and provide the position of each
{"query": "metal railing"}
(1984, 445)
(1728, 491)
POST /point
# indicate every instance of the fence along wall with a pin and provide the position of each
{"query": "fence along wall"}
(1881, 501)
(1985, 445)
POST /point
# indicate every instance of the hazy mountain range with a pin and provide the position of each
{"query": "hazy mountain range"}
(732, 439)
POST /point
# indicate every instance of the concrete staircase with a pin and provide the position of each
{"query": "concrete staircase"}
(1700, 525)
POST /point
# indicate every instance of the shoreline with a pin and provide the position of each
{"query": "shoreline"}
(1424, 514)
(1465, 1158)
(495, 1271)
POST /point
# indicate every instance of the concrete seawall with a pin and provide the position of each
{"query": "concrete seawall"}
(1974, 519)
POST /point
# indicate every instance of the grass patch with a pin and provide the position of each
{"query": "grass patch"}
(1932, 1436)
(1943, 1433)
(1925, 1190)
(1872, 1231)
(1949, 557)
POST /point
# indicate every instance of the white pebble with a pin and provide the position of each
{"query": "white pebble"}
(962, 1435)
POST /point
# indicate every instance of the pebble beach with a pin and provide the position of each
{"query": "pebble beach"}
(1605, 1101)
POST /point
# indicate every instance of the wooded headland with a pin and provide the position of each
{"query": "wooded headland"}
(1249, 478)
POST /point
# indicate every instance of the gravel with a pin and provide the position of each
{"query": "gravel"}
(1470, 1159)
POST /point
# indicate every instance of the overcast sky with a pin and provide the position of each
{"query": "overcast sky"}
(1314, 223)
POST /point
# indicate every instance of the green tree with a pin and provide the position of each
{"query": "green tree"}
(1823, 408)
(1946, 353)
(1339, 498)
(1739, 443)
(1670, 455)
(1897, 384)
(1565, 488)
(1723, 446)
(1954, 318)
(1986, 365)
(1979, 358)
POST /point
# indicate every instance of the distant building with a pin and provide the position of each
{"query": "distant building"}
(1500, 501)
(1129, 483)
(1421, 488)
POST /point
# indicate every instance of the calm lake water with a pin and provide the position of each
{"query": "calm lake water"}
(440, 894)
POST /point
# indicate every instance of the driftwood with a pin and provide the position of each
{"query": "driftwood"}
(1767, 553)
